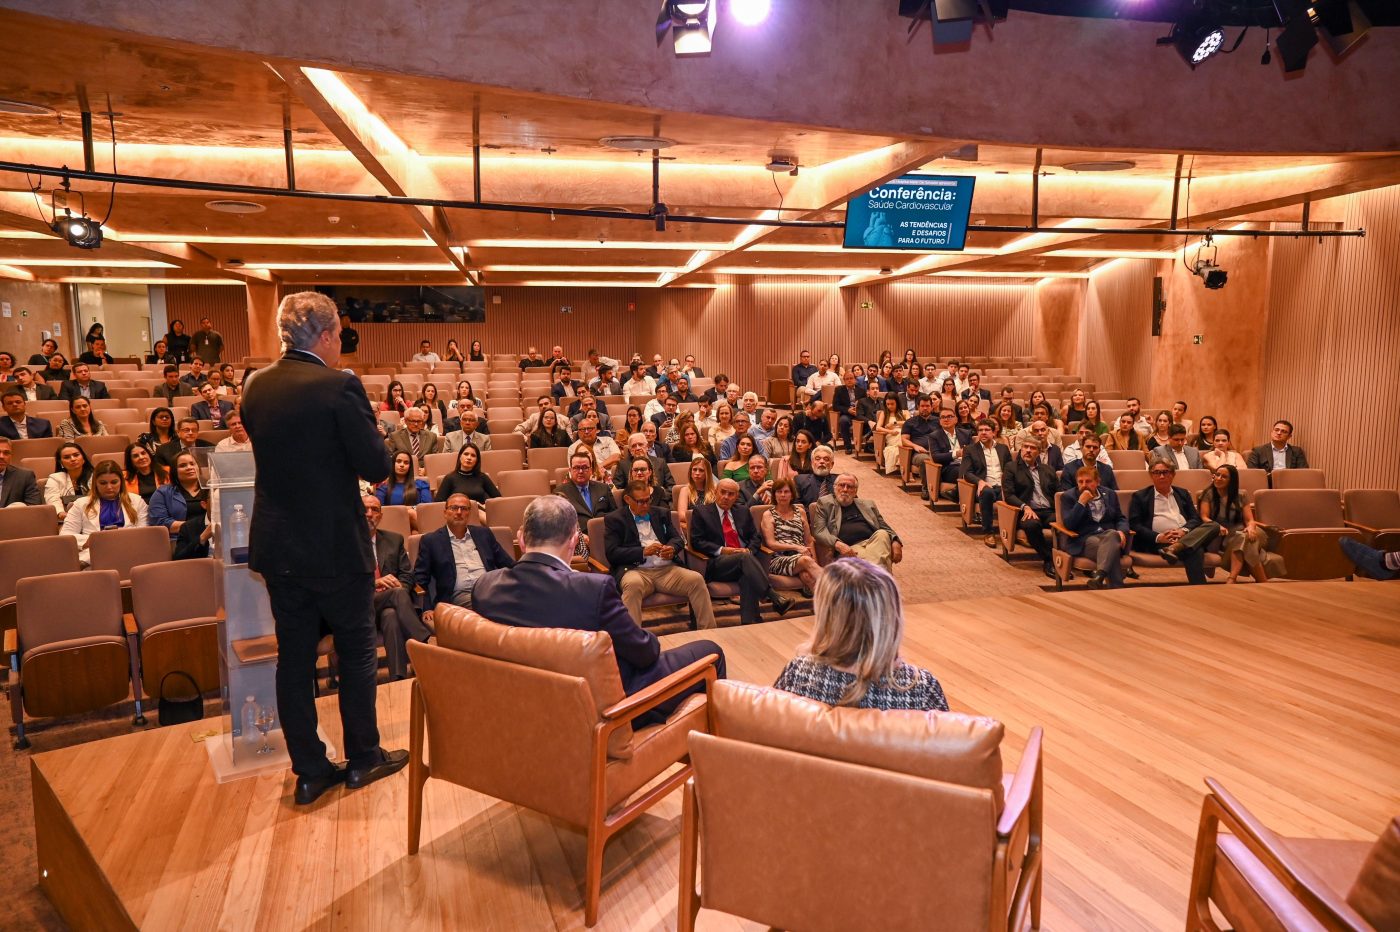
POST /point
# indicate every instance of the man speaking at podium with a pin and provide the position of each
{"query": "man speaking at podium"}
(313, 439)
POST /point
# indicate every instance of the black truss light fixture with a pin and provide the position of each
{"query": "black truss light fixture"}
(690, 22)
(81, 231)
(1195, 39)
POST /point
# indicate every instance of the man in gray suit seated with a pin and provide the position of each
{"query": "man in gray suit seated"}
(854, 527)
(1175, 453)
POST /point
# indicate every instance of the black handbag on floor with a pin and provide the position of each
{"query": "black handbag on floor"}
(180, 711)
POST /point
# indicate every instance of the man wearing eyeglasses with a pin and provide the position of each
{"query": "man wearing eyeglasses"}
(452, 559)
(394, 611)
(642, 547)
(1164, 521)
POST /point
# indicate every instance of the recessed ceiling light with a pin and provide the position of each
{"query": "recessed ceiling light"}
(636, 143)
(1106, 165)
(235, 207)
(25, 109)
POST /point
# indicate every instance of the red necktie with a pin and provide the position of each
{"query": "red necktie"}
(731, 537)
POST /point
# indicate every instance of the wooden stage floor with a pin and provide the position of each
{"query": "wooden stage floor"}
(1289, 693)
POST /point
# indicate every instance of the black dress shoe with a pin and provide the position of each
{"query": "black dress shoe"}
(1050, 570)
(781, 605)
(310, 789)
(1098, 581)
(393, 762)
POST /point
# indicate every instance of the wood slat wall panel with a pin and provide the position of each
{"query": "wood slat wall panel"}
(45, 303)
(1333, 345)
(226, 308)
(1117, 328)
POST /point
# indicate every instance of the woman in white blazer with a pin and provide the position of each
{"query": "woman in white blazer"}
(71, 478)
(107, 507)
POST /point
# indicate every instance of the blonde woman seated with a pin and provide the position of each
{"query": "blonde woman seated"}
(699, 489)
(724, 425)
(107, 507)
(853, 658)
(889, 427)
(786, 532)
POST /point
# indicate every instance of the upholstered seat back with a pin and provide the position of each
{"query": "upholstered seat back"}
(511, 711)
(1299, 508)
(176, 590)
(821, 818)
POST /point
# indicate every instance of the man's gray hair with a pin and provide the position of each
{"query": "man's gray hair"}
(302, 318)
(823, 448)
(549, 522)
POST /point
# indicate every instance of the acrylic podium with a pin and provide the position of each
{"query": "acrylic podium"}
(251, 742)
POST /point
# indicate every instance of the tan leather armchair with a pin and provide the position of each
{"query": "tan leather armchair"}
(805, 816)
(537, 717)
(1259, 880)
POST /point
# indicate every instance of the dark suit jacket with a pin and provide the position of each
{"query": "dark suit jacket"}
(71, 389)
(811, 487)
(941, 450)
(1140, 517)
(200, 410)
(17, 486)
(1079, 520)
(974, 463)
(557, 389)
(42, 392)
(436, 569)
(844, 400)
(181, 390)
(623, 545)
(1017, 488)
(166, 453)
(707, 534)
(391, 557)
(983, 394)
(1262, 457)
(38, 427)
(314, 438)
(603, 501)
(540, 592)
(1068, 482)
(1056, 457)
(819, 428)
(660, 472)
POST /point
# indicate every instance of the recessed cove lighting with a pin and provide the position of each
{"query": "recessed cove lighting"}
(1106, 165)
(636, 143)
(23, 108)
(235, 207)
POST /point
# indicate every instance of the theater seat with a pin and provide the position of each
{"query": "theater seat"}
(890, 820)
(598, 562)
(1311, 526)
(1260, 880)
(175, 607)
(1375, 513)
(538, 717)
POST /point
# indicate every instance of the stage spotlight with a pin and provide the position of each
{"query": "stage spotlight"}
(1206, 268)
(1296, 37)
(1195, 40)
(691, 22)
(749, 12)
(80, 232)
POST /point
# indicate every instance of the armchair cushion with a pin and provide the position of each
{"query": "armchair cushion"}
(584, 654)
(944, 746)
(654, 749)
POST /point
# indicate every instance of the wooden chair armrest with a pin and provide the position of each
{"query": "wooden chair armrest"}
(660, 691)
(11, 642)
(129, 623)
(1025, 785)
(697, 554)
(596, 565)
(1356, 525)
(764, 548)
(1062, 529)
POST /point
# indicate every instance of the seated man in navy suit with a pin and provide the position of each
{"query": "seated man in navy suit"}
(17, 425)
(1102, 531)
(541, 591)
(212, 407)
(1165, 521)
(83, 385)
(453, 559)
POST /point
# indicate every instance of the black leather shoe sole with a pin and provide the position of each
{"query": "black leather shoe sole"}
(393, 762)
(310, 789)
(782, 606)
(1050, 570)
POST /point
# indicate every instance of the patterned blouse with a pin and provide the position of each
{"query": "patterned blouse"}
(908, 687)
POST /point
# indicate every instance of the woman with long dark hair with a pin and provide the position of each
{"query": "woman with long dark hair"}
(738, 467)
(889, 428)
(394, 398)
(1206, 427)
(177, 341)
(548, 433)
(1242, 540)
(631, 424)
(143, 473)
(80, 420)
(799, 461)
(182, 507)
(71, 477)
(402, 487)
(475, 354)
(429, 396)
(468, 478)
(56, 370)
(161, 429)
(779, 445)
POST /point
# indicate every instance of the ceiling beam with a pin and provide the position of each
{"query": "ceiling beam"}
(827, 186)
(1213, 200)
(400, 170)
